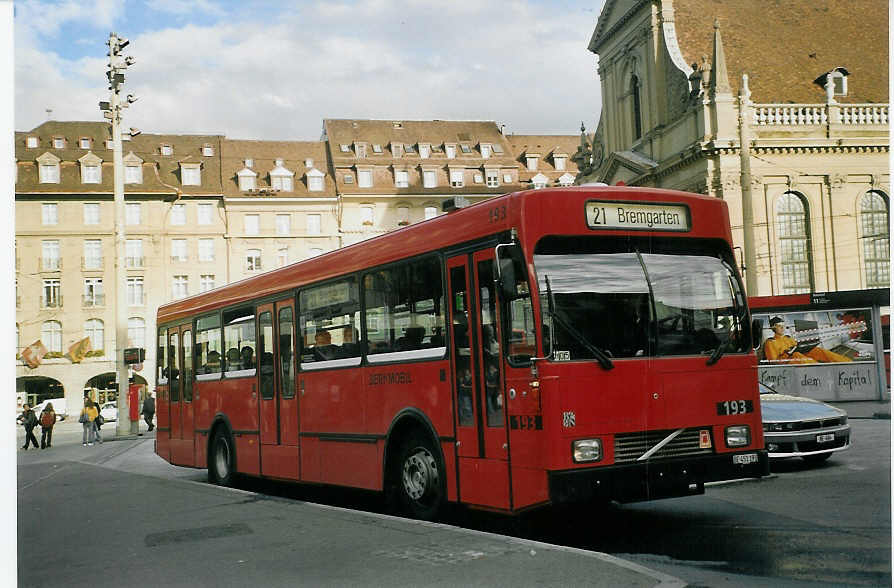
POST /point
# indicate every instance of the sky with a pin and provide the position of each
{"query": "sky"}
(274, 70)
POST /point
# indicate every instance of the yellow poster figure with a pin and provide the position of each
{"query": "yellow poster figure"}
(781, 348)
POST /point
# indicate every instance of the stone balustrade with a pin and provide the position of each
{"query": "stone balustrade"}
(819, 114)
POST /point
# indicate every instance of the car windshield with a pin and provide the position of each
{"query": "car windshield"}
(640, 297)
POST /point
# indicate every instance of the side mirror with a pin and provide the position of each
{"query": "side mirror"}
(510, 270)
(757, 327)
(507, 279)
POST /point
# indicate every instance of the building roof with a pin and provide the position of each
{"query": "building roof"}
(147, 147)
(784, 45)
(437, 133)
(264, 155)
(547, 147)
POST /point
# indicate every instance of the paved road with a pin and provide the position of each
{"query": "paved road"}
(829, 524)
(115, 514)
(804, 526)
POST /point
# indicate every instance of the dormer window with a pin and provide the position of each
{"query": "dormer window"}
(838, 79)
(456, 178)
(485, 150)
(247, 178)
(85, 142)
(133, 169)
(436, 148)
(308, 162)
(397, 149)
(408, 148)
(377, 148)
(465, 148)
(315, 180)
(451, 150)
(424, 150)
(281, 178)
(207, 150)
(566, 180)
(360, 149)
(345, 148)
(48, 168)
(91, 169)
(58, 142)
(166, 149)
(110, 144)
(191, 174)
(539, 181)
(348, 179)
(497, 148)
(31, 142)
(364, 178)
(559, 162)
(249, 163)
(531, 160)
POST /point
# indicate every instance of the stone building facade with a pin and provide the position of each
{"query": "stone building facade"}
(203, 211)
(787, 122)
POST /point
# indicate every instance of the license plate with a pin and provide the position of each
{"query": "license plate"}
(745, 458)
(825, 438)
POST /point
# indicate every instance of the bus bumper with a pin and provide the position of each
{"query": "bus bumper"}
(651, 481)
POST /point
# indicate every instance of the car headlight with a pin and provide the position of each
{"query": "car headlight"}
(584, 450)
(738, 436)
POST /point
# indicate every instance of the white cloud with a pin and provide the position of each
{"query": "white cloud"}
(517, 62)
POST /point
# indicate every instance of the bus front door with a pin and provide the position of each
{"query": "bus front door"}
(276, 381)
(482, 443)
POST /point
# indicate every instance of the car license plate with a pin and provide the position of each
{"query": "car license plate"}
(825, 438)
(745, 458)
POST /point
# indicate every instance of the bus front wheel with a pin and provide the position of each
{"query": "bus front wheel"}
(220, 462)
(420, 479)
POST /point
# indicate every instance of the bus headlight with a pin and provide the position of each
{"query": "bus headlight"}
(584, 450)
(738, 436)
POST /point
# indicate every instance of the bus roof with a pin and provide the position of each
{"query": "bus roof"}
(532, 212)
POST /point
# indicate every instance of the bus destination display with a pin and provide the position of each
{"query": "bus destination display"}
(627, 215)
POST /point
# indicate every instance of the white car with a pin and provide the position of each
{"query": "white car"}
(109, 411)
(802, 427)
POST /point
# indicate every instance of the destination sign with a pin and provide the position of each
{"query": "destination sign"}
(628, 215)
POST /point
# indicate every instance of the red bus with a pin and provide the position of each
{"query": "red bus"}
(548, 346)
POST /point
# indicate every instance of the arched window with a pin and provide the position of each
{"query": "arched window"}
(874, 238)
(51, 335)
(637, 110)
(136, 332)
(794, 244)
(94, 329)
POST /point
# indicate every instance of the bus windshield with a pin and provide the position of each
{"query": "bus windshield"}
(639, 297)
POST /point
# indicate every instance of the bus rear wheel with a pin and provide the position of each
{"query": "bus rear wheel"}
(220, 460)
(420, 484)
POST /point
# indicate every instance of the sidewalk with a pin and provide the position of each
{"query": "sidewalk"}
(869, 409)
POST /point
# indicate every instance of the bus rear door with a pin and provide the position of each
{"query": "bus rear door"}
(483, 449)
(180, 394)
(278, 409)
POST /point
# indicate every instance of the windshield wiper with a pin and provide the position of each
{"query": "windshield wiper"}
(716, 354)
(600, 355)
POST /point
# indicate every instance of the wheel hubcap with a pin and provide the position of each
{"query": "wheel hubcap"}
(420, 474)
(223, 459)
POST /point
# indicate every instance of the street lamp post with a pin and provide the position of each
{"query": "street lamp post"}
(113, 110)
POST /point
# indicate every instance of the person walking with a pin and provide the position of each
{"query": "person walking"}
(30, 421)
(47, 421)
(87, 418)
(149, 410)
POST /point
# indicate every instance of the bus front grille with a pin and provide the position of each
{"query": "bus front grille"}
(629, 446)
